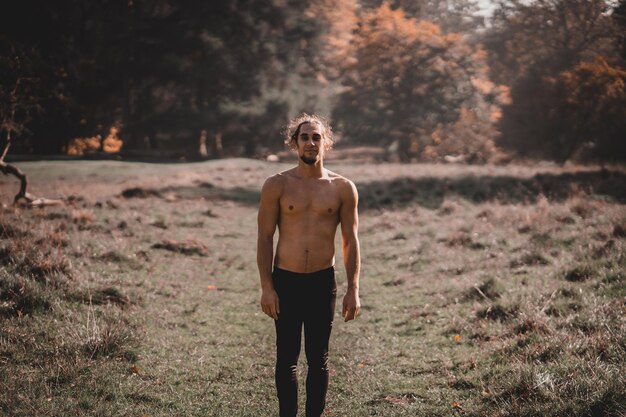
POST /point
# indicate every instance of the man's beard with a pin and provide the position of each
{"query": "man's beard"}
(308, 161)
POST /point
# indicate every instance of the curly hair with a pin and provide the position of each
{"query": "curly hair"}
(293, 130)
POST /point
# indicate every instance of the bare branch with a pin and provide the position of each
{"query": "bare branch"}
(6, 150)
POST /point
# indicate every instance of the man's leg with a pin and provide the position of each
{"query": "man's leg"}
(317, 328)
(288, 341)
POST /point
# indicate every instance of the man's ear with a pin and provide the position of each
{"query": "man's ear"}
(327, 143)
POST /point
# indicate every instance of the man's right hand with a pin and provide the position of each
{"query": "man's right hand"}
(270, 304)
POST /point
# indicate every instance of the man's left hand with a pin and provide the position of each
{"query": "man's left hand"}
(351, 305)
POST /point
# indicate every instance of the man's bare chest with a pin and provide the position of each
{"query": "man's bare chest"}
(305, 198)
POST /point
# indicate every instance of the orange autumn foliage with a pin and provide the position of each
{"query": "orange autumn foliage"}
(421, 92)
(82, 146)
(590, 109)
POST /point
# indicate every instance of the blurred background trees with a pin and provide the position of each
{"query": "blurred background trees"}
(424, 79)
(562, 61)
(408, 81)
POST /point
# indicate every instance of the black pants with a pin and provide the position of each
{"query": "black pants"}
(309, 300)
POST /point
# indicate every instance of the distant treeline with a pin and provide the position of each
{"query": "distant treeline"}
(426, 79)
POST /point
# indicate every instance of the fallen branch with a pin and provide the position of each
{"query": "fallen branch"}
(8, 169)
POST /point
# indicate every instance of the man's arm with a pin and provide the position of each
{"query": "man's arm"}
(349, 218)
(267, 221)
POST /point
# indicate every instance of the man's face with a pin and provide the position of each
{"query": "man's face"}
(311, 143)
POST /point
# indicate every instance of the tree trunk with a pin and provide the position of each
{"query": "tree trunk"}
(202, 151)
(217, 148)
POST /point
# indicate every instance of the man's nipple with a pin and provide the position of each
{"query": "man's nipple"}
(330, 210)
(290, 207)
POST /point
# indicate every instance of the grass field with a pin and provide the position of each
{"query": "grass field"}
(486, 291)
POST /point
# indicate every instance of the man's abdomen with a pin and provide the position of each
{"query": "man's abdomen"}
(305, 254)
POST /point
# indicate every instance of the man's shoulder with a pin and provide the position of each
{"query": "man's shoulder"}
(279, 178)
(340, 180)
(274, 184)
(346, 187)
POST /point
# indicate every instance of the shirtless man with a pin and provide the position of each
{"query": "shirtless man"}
(307, 203)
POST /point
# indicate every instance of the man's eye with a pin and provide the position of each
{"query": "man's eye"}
(316, 138)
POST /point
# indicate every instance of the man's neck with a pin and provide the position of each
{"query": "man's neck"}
(315, 170)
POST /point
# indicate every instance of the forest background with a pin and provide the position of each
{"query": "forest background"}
(421, 80)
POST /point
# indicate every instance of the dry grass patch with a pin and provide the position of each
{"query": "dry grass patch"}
(56, 238)
(101, 296)
(103, 335)
(530, 323)
(546, 347)
(533, 258)
(463, 238)
(579, 273)
(582, 208)
(46, 264)
(115, 257)
(619, 231)
(498, 312)
(489, 289)
(83, 216)
(139, 192)
(9, 230)
(20, 296)
(51, 348)
(188, 247)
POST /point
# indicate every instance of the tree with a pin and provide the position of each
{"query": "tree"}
(69, 46)
(337, 23)
(452, 16)
(535, 48)
(552, 34)
(619, 16)
(408, 79)
(589, 112)
(159, 69)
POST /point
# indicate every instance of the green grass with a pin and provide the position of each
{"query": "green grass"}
(483, 294)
